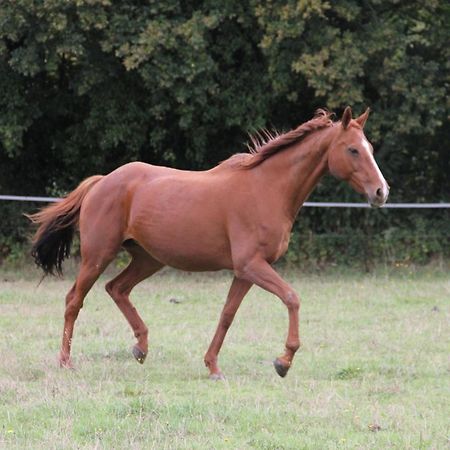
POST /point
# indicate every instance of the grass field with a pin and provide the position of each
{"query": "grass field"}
(373, 372)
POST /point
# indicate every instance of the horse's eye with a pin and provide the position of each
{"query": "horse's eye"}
(353, 151)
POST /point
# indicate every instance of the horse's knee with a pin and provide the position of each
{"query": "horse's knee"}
(292, 301)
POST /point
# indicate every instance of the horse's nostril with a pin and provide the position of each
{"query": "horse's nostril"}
(379, 192)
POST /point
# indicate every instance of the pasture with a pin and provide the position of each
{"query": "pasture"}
(372, 372)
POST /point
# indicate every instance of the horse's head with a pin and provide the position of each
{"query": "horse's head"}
(350, 158)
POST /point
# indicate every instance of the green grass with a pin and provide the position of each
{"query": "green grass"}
(373, 371)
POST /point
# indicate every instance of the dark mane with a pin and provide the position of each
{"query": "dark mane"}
(265, 144)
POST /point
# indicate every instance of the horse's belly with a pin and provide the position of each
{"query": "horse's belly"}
(192, 254)
(184, 242)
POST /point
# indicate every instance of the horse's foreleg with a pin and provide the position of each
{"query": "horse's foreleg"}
(236, 293)
(262, 274)
(141, 267)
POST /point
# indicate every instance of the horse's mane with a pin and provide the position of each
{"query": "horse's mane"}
(264, 144)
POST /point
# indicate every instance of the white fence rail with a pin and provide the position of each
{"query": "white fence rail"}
(21, 198)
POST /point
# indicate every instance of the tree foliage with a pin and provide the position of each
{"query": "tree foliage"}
(88, 85)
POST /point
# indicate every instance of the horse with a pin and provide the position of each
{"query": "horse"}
(236, 216)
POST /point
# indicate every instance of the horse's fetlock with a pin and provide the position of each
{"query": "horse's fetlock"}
(210, 361)
(143, 332)
(293, 346)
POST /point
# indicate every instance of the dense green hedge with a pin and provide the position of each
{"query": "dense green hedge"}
(87, 85)
(389, 237)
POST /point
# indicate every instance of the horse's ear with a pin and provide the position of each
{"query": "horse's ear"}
(346, 117)
(363, 118)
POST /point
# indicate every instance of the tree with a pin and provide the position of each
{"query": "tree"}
(88, 85)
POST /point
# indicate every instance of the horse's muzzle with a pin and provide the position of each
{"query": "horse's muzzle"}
(378, 198)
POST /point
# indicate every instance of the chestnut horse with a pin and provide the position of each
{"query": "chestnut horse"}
(236, 216)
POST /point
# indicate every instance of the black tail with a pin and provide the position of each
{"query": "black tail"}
(53, 239)
(53, 246)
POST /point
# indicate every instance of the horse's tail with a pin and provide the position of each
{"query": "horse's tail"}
(57, 222)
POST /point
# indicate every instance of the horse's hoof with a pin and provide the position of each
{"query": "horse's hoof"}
(217, 376)
(66, 365)
(139, 354)
(281, 369)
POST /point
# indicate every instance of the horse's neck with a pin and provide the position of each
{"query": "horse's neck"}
(296, 171)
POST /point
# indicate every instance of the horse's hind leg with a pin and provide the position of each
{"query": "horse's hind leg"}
(238, 290)
(142, 266)
(90, 270)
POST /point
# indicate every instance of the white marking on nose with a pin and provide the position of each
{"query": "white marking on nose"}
(384, 187)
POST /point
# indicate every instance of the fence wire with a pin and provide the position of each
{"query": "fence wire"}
(21, 198)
